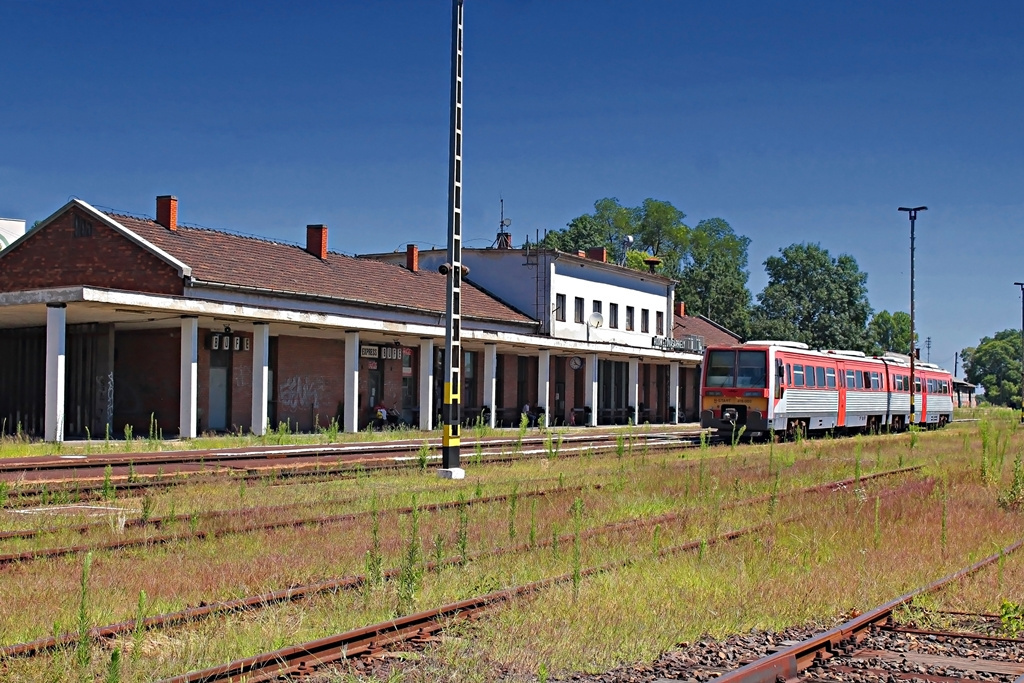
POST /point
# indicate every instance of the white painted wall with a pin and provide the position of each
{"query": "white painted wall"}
(514, 278)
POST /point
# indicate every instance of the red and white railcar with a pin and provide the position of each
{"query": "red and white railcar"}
(787, 387)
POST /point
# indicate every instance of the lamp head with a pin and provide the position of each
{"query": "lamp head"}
(914, 210)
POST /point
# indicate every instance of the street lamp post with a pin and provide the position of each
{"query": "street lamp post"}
(1021, 285)
(913, 385)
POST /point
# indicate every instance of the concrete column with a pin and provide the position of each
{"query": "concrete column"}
(633, 389)
(56, 327)
(426, 384)
(544, 386)
(260, 377)
(590, 399)
(673, 392)
(188, 414)
(351, 401)
(491, 381)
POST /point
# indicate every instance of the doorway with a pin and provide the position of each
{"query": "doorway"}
(220, 386)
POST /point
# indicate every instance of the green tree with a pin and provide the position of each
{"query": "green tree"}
(889, 332)
(995, 364)
(656, 227)
(813, 298)
(713, 280)
(582, 232)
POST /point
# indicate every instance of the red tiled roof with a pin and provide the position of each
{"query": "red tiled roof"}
(714, 334)
(224, 258)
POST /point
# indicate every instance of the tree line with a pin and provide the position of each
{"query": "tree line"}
(811, 296)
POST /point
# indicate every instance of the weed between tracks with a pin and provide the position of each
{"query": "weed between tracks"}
(811, 569)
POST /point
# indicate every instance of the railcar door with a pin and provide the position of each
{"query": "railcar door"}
(841, 385)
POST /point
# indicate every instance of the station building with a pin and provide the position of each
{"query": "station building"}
(110, 321)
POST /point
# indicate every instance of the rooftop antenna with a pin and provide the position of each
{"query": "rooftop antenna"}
(626, 243)
(504, 238)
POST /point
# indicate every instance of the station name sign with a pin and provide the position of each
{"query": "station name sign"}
(688, 343)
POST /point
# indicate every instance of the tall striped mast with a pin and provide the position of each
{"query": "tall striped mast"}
(450, 412)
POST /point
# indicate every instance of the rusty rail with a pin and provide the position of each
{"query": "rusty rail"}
(206, 610)
(786, 664)
(304, 658)
(322, 520)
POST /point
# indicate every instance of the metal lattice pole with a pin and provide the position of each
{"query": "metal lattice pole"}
(913, 355)
(450, 413)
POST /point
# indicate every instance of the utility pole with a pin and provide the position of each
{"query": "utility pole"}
(1021, 285)
(451, 415)
(913, 345)
(928, 345)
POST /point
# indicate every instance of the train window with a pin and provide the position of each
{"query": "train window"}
(798, 375)
(917, 385)
(859, 376)
(830, 378)
(721, 368)
(876, 381)
(809, 375)
(821, 376)
(931, 386)
(851, 381)
(789, 375)
(898, 381)
(752, 370)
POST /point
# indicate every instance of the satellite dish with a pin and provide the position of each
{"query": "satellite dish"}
(595, 320)
(505, 222)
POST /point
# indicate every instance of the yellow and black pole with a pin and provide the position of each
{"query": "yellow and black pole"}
(450, 412)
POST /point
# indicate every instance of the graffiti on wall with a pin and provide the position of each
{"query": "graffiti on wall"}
(301, 392)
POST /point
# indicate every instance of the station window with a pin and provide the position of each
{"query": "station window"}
(659, 323)
(830, 378)
(579, 310)
(597, 306)
(560, 307)
(645, 320)
(613, 316)
(798, 375)
(629, 318)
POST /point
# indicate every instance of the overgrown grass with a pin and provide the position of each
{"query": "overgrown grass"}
(788, 574)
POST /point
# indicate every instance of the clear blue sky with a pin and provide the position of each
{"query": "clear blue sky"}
(794, 121)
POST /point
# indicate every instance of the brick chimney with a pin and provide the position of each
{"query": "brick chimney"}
(167, 211)
(598, 254)
(316, 241)
(412, 257)
(681, 309)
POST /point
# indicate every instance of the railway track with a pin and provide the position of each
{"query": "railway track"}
(869, 647)
(294, 593)
(81, 478)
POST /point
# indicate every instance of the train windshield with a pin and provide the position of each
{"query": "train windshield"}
(745, 369)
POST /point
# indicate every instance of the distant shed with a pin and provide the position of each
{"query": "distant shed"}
(965, 396)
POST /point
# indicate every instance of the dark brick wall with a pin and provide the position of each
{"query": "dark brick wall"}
(147, 380)
(310, 380)
(99, 256)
